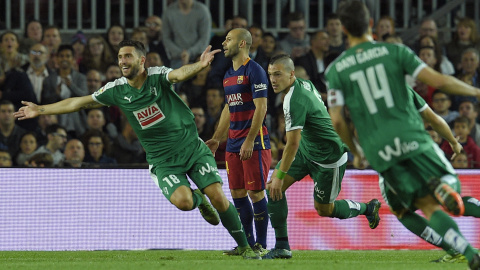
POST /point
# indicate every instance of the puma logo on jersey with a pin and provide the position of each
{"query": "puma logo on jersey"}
(149, 115)
(128, 98)
(400, 148)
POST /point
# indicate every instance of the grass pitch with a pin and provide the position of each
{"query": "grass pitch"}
(208, 260)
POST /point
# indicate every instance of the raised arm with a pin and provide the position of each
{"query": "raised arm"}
(446, 83)
(185, 72)
(32, 110)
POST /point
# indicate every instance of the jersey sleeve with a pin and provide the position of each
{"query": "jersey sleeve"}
(418, 101)
(105, 95)
(410, 62)
(295, 113)
(258, 81)
(334, 89)
(162, 73)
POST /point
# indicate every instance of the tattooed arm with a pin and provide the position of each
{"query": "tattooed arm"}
(32, 110)
(183, 73)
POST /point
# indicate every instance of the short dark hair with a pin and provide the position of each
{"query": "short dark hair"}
(139, 47)
(295, 16)
(53, 128)
(66, 47)
(462, 119)
(355, 17)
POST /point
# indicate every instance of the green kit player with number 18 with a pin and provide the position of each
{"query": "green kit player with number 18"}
(369, 78)
(166, 129)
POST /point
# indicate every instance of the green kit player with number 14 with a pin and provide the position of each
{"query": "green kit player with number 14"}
(369, 78)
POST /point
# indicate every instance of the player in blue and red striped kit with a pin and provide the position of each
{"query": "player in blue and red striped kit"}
(248, 155)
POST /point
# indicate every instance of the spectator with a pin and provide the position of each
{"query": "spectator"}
(97, 55)
(386, 25)
(392, 38)
(469, 110)
(40, 160)
(43, 122)
(28, 145)
(446, 67)
(127, 148)
(74, 154)
(441, 104)
(10, 133)
(184, 98)
(428, 55)
(16, 87)
(269, 44)
(56, 139)
(33, 34)
(153, 59)
(52, 40)
(194, 88)
(460, 161)
(334, 30)
(94, 80)
(462, 129)
(200, 121)
(297, 42)
(115, 34)
(214, 99)
(140, 34)
(96, 121)
(465, 37)
(5, 159)
(79, 42)
(256, 52)
(313, 61)
(301, 73)
(154, 33)
(98, 145)
(186, 27)
(428, 27)
(435, 136)
(37, 69)
(113, 72)
(10, 58)
(469, 73)
(66, 83)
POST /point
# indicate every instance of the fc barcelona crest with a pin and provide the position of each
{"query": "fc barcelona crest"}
(240, 80)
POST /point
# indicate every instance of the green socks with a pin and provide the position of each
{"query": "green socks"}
(231, 222)
(344, 209)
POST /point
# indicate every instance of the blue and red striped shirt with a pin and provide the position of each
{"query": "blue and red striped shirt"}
(241, 87)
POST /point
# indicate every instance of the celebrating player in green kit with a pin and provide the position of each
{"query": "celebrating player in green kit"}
(166, 128)
(369, 78)
(313, 148)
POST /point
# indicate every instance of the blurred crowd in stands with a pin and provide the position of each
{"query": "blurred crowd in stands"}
(41, 67)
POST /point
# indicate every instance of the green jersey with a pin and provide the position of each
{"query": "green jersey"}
(370, 80)
(161, 120)
(304, 109)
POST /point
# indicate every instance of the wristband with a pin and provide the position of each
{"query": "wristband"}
(281, 174)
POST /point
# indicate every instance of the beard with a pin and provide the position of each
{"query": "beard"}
(134, 69)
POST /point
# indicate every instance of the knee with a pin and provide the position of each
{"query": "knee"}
(183, 203)
(324, 210)
(256, 195)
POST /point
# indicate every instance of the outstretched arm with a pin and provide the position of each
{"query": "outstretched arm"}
(448, 84)
(32, 110)
(188, 71)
